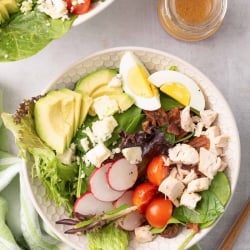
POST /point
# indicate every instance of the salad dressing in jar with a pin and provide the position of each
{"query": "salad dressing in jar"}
(191, 20)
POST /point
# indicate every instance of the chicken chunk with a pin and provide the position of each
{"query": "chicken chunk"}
(172, 188)
(189, 177)
(143, 234)
(198, 185)
(221, 141)
(209, 163)
(189, 199)
(208, 117)
(212, 133)
(183, 153)
(186, 120)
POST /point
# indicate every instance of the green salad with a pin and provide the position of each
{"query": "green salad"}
(27, 26)
(127, 154)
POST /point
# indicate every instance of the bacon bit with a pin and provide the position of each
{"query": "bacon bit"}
(187, 167)
(171, 231)
(157, 118)
(193, 226)
(201, 141)
(174, 119)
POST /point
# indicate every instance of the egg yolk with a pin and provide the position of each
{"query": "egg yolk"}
(177, 91)
(138, 83)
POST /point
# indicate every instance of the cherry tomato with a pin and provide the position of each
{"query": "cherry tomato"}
(157, 171)
(158, 212)
(78, 7)
(142, 195)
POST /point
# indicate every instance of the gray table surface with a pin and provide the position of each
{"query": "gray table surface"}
(224, 58)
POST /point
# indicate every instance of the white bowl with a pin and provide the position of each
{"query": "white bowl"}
(94, 10)
(154, 60)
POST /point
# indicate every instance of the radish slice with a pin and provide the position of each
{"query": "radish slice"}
(100, 187)
(126, 198)
(87, 204)
(122, 175)
(131, 221)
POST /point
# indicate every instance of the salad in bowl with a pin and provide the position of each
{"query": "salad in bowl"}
(131, 148)
(27, 26)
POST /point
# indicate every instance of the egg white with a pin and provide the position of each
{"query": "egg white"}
(159, 78)
(128, 61)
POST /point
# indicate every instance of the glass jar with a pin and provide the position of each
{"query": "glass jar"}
(191, 20)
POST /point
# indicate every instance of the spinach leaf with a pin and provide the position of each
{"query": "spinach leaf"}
(168, 103)
(25, 35)
(220, 186)
(130, 120)
(211, 205)
(207, 210)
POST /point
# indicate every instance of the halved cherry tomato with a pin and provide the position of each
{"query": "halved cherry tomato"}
(78, 7)
(158, 212)
(142, 195)
(157, 171)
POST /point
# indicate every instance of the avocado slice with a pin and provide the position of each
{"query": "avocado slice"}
(4, 14)
(7, 7)
(106, 90)
(86, 104)
(91, 82)
(78, 105)
(124, 101)
(68, 111)
(54, 116)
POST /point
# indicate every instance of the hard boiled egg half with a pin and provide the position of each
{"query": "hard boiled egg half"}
(180, 87)
(135, 82)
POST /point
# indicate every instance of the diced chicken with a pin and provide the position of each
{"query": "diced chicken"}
(198, 185)
(173, 172)
(212, 133)
(186, 120)
(190, 199)
(189, 177)
(183, 153)
(172, 188)
(198, 129)
(208, 117)
(223, 166)
(166, 160)
(209, 163)
(221, 141)
(143, 234)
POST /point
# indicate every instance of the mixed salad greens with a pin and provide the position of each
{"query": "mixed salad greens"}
(27, 26)
(124, 169)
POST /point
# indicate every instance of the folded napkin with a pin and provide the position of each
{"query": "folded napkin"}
(21, 228)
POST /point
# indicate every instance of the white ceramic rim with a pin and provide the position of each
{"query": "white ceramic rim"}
(234, 181)
(95, 9)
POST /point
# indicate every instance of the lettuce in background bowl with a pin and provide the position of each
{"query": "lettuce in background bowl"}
(23, 34)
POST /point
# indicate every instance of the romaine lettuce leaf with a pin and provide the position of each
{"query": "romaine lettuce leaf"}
(45, 165)
(109, 237)
(26, 34)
